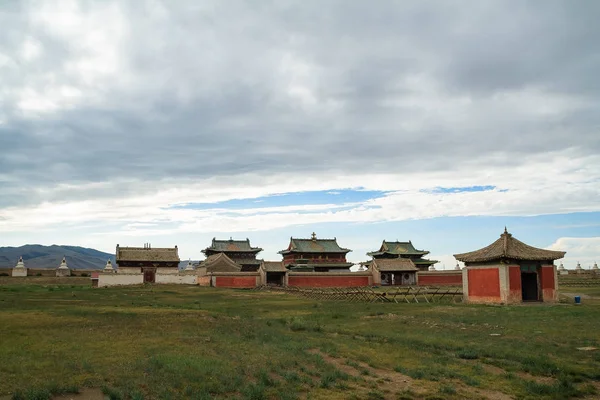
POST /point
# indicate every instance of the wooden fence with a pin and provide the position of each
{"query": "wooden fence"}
(402, 294)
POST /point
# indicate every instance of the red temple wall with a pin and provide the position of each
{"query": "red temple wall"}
(235, 281)
(328, 281)
(547, 283)
(450, 278)
(484, 284)
(514, 279)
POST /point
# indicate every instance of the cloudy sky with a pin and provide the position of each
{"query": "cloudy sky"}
(174, 122)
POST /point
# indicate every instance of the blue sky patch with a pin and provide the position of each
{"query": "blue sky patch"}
(343, 196)
(460, 189)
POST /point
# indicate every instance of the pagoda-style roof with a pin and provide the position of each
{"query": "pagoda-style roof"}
(332, 265)
(274, 266)
(314, 245)
(507, 247)
(397, 248)
(147, 253)
(394, 264)
(230, 246)
(220, 263)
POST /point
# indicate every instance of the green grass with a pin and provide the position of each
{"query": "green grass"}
(204, 343)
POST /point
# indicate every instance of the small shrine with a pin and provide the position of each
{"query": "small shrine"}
(63, 269)
(562, 270)
(395, 271)
(19, 269)
(109, 267)
(510, 271)
(189, 267)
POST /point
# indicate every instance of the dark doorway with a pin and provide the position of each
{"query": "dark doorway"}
(149, 275)
(529, 286)
(275, 278)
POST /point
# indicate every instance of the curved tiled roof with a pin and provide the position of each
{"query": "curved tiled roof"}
(507, 247)
(169, 254)
(397, 248)
(314, 245)
(220, 263)
(231, 246)
(394, 264)
(274, 266)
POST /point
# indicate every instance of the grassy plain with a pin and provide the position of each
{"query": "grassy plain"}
(190, 342)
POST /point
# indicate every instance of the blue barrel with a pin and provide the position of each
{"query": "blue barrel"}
(577, 299)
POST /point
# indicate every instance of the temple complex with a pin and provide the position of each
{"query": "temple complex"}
(318, 255)
(390, 250)
(510, 271)
(147, 260)
(239, 251)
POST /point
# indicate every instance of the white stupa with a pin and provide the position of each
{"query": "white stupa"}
(20, 263)
(63, 269)
(19, 269)
(108, 267)
(189, 266)
(457, 267)
(578, 267)
(595, 267)
(561, 267)
(63, 264)
(431, 268)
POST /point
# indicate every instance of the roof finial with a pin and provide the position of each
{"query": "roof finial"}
(314, 236)
(505, 230)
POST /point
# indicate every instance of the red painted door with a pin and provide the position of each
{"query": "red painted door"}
(149, 275)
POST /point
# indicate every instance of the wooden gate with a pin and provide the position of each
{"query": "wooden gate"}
(149, 275)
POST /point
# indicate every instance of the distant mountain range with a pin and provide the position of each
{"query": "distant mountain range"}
(38, 256)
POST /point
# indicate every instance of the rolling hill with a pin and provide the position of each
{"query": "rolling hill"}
(38, 256)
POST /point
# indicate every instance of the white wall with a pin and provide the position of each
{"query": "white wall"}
(129, 270)
(19, 272)
(176, 279)
(120, 279)
(167, 271)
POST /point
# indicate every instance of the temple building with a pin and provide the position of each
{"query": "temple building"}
(275, 273)
(402, 250)
(395, 271)
(239, 251)
(218, 262)
(510, 271)
(318, 255)
(147, 261)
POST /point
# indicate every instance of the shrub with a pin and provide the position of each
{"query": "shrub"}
(467, 354)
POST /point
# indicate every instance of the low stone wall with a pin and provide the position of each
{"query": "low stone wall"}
(439, 278)
(329, 279)
(109, 279)
(177, 279)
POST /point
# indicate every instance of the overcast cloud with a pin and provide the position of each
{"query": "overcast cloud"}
(116, 110)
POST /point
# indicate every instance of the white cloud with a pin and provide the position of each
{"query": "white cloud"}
(585, 251)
